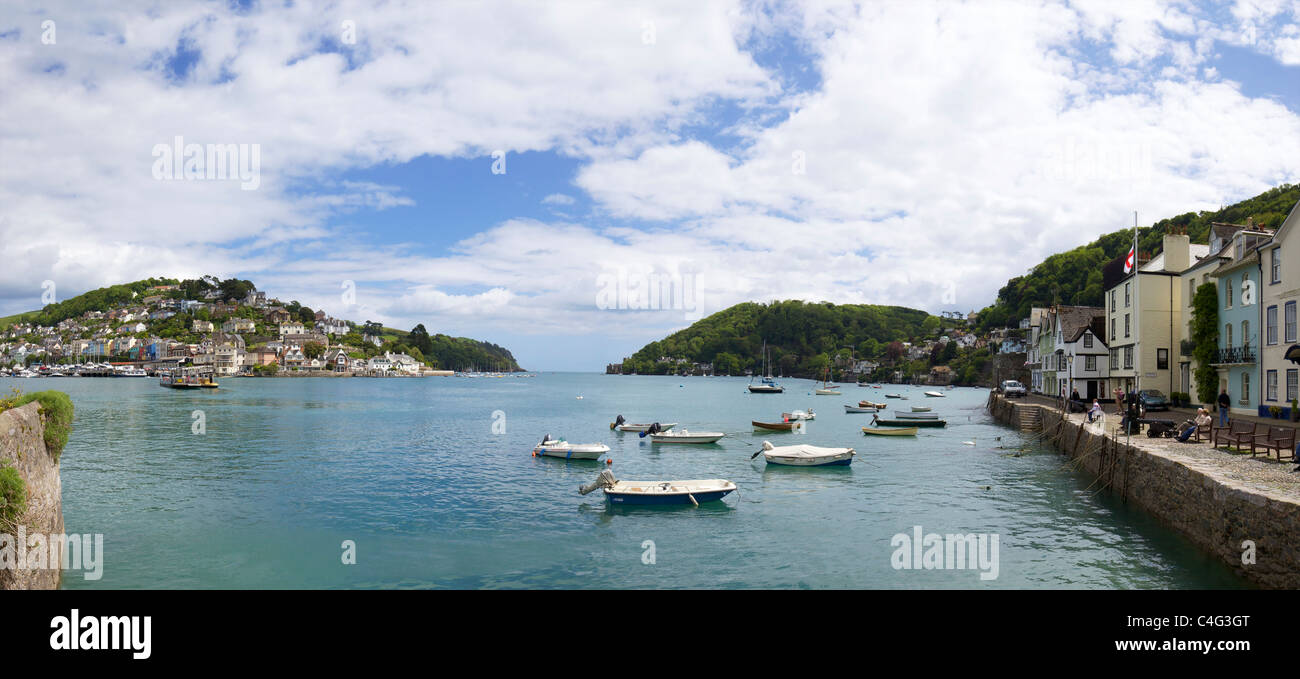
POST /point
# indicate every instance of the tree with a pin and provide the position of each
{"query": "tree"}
(419, 338)
(1205, 339)
(313, 350)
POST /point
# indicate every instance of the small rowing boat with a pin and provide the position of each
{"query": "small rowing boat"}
(881, 431)
(915, 416)
(658, 492)
(805, 456)
(684, 436)
(920, 409)
(775, 426)
(893, 396)
(569, 451)
(935, 394)
(621, 426)
(858, 409)
(869, 404)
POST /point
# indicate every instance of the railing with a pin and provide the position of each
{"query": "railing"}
(1235, 355)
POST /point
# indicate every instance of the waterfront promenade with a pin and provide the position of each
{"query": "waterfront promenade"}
(1223, 501)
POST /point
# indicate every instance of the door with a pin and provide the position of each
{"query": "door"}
(1092, 389)
(1185, 377)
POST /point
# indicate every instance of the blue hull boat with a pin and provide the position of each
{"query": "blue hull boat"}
(659, 492)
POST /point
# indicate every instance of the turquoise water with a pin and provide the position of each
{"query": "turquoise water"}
(412, 472)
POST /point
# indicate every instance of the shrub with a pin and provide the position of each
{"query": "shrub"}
(13, 496)
(56, 411)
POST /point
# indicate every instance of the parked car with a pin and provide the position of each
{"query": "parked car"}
(1012, 388)
(1153, 399)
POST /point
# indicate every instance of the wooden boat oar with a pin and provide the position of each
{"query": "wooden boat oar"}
(693, 500)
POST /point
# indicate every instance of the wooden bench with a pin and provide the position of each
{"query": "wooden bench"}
(1278, 439)
(1237, 433)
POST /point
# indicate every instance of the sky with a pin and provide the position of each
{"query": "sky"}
(572, 180)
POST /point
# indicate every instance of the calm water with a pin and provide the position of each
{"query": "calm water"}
(411, 470)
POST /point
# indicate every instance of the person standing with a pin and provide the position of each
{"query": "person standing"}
(1224, 403)
(1119, 401)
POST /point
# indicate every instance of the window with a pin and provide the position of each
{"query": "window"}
(1245, 333)
(1090, 363)
(1112, 330)
(1270, 325)
(1290, 322)
(1127, 326)
(1227, 335)
(1128, 357)
(1270, 385)
(1277, 265)
(1245, 388)
(1112, 300)
(1291, 386)
(1114, 359)
(1126, 297)
(1087, 339)
(1227, 297)
(1162, 359)
(1191, 290)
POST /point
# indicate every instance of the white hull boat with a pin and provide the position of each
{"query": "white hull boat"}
(684, 436)
(935, 394)
(806, 456)
(799, 415)
(659, 492)
(828, 392)
(570, 451)
(915, 416)
(920, 409)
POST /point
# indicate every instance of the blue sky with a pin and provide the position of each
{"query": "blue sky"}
(877, 153)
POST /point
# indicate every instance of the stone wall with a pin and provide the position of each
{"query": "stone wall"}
(22, 444)
(1216, 512)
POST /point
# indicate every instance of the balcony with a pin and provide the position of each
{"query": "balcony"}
(1235, 356)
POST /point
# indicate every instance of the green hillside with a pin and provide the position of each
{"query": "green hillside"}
(802, 337)
(1074, 277)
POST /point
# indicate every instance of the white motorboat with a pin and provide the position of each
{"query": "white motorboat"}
(935, 394)
(920, 409)
(684, 436)
(659, 492)
(569, 451)
(799, 415)
(805, 455)
(893, 396)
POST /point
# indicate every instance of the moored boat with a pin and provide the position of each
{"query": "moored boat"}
(893, 396)
(805, 455)
(889, 431)
(870, 404)
(569, 451)
(774, 426)
(901, 415)
(935, 394)
(620, 425)
(799, 415)
(920, 409)
(659, 492)
(910, 422)
(685, 436)
(858, 409)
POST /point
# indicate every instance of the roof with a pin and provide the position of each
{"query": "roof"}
(1197, 251)
(1075, 320)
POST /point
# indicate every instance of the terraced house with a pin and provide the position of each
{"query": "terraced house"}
(1236, 361)
(1279, 293)
(1144, 316)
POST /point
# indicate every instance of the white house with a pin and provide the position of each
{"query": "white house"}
(1082, 352)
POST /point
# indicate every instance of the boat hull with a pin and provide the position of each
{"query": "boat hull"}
(843, 460)
(676, 493)
(760, 389)
(665, 426)
(691, 438)
(912, 423)
(773, 426)
(901, 431)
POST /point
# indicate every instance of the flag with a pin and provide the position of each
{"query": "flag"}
(1128, 261)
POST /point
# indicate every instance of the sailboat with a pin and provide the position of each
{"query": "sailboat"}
(768, 385)
(826, 389)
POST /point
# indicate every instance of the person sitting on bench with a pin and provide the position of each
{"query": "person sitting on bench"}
(1202, 419)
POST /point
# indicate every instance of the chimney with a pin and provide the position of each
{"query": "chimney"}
(1178, 252)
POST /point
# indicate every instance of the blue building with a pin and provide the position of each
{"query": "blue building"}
(1237, 360)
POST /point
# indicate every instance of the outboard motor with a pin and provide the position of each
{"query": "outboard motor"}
(619, 420)
(605, 480)
(652, 429)
(546, 439)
